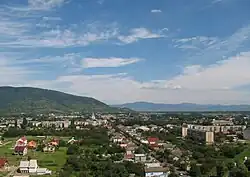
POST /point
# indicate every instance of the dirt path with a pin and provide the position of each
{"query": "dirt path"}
(12, 172)
(5, 143)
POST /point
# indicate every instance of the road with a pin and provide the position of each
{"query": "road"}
(12, 172)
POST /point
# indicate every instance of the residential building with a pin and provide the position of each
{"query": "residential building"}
(222, 122)
(21, 150)
(3, 162)
(21, 146)
(156, 172)
(49, 148)
(200, 135)
(33, 166)
(140, 157)
(24, 166)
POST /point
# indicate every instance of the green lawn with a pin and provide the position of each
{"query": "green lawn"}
(6, 152)
(53, 161)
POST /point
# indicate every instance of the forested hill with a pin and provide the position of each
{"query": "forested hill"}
(36, 100)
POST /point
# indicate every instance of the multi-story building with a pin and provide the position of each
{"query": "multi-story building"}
(206, 133)
(200, 135)
(217, 128)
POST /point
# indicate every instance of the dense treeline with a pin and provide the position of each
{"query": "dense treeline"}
(85, 133)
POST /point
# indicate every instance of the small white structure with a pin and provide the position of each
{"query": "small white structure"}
(33, 166)
(24, 166)
(93, 116)
(43, 171)
(140, 157)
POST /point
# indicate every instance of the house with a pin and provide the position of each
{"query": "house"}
(24, 166)
(156, 172)
(140, 157)
(21, 146)
(54, 142)
(32, 145)
(128, 156)
(72, 140)
(21, 150)
(3, 162)
(33, 166)
(153, 140)
(49, 148)
(43, 171)
(22, 141)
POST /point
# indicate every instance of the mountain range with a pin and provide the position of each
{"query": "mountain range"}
(185, 107)
(36, 100)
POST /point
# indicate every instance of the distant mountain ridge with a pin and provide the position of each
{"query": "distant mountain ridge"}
(36, 100)
(147, 106)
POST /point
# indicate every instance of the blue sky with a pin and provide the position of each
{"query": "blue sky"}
(124, 51)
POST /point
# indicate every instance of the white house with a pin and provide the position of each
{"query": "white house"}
(24, 166)
(33, 166)
(140, 157)
(156, 172)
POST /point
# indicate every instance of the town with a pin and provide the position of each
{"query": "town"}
(125, 144)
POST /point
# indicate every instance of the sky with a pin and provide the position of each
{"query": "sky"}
(120, 51)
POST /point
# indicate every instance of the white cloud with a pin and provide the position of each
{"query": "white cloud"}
(137, 34)
(10, 73)
(156, 11)
(108, 62)
(28, 30)
(212, 84)
(44, 4)
(197, 42)
(202, 49)
(229, 73)
(59, 38)
(52, 18)
(217, 1)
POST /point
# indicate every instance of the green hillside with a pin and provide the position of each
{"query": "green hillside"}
(35, 100)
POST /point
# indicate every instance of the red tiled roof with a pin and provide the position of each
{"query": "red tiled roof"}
(129, 156)
(153, 139)
(24, 138)
(3, 161)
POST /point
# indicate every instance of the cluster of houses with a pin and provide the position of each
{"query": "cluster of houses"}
(22, 145)
(152, 167)
(58, 122)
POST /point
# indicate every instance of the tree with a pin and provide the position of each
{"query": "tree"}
(73, 149)
(172, 172)
(221, 169)
(139, 150)
(15, 123)
(195, 171)
(239, 171)
(247, 164)
(25, 123)
(62, 143)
